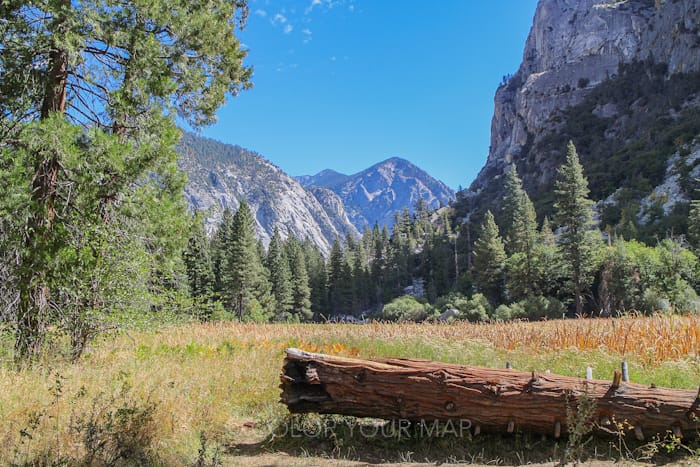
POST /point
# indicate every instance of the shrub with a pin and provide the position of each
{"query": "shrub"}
(472, 309)
(405, 308)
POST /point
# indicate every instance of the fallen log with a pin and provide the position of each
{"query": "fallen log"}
(491, 400)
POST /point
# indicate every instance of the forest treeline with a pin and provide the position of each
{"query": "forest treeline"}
(428, 266)
(94, 227)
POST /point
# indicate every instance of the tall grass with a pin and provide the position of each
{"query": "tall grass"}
(157, 396)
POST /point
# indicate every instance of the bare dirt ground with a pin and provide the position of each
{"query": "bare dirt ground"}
(252, 448)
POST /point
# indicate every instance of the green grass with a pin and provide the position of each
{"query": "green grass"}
(209, 392)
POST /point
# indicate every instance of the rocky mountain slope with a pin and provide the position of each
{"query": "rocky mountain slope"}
(619, 78)
(374, 195)
(220, 175)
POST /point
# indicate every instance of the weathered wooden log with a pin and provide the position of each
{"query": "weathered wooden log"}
(492, 400)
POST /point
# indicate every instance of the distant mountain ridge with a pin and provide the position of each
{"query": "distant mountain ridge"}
(331, 205)
(221, 175)
(375, 194)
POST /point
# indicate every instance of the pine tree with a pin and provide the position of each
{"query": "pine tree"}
(578, 238)
(551, 261)
(522, 242)
(318, 278)
(335, 278)
(489, 261)
(220, 252)
(438, 256)
(301, 292)
(246, 283)
(362, 290)
(378, 267)
(280, 275)
(519, 216)
(89, 93)
(198, 264)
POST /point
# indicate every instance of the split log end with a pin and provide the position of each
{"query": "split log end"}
(302, 354)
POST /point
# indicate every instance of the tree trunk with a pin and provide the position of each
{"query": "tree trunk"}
(490, 400)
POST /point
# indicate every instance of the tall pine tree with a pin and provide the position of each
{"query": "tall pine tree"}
(280, 274)
(579, 238)
(300, 306)
(245, 279)
(489, 261)
(318, 278)
(199, 266)
(524, 268)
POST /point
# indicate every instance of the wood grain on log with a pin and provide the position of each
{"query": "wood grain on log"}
(494, 400)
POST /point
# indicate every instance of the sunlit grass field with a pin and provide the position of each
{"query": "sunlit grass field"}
(183, 394)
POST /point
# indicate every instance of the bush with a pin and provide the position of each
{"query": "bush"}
(532, 309)
(505, 312)
(653, 301)
(537, 308)
(405, 308)
(472, 309)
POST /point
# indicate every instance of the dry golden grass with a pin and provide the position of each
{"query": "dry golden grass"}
(211, 378)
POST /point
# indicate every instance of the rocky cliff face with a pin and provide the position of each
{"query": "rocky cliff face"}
(220, 175)
(573, 47)
(374, 195)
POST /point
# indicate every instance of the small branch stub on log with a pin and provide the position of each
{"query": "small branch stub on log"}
(491, 400)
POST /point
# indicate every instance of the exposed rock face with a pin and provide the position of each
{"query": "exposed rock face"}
(573, 46)
(220, 175)
(377, 193)
(335, 209)
(670, 192)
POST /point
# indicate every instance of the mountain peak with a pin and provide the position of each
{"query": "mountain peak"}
(221, 175)
(373, 195)
(329, 173)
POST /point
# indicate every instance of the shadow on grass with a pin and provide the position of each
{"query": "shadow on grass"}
(374, 441)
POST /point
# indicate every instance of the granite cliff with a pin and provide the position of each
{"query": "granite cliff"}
(619, 78)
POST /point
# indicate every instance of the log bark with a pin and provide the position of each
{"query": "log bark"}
(492, 400)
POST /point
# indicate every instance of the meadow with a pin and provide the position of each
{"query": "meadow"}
(207, 393)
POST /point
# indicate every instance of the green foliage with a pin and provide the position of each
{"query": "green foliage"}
(277, 263)
(246, 286)
(578, 239)
(199, 266)
(318, 278)
(340, 283)
(694, 224)
(474, 309)
(648, 279)
(89, 94)
(580, 422)
(404, 308)
(299, 281)
(489, 260)
(532, 308)
(524, 267)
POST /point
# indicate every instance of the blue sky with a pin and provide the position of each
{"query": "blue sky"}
(344, 84)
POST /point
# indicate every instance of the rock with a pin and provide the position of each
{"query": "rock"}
(374, 195)
(220, 175)
(574, 46)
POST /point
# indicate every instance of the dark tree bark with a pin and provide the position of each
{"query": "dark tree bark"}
(492, 400)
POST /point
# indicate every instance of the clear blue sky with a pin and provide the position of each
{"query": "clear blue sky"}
(344, 84)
